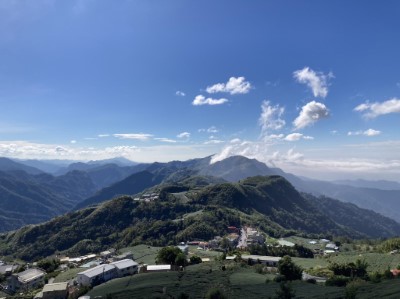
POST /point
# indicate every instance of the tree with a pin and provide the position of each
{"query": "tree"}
(180, 260)
(194, 259)
(289, 269)
(168, 255)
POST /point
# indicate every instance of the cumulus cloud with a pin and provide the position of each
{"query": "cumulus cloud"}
(165, 140)
(317, 81)
(309, 114)
(270, 118)
(234, 85)
(136, 136)
(369, 133)
(372, 110)
(73, 141)
(183, 135)
(180, 93)
(297, 137)
(202, 100)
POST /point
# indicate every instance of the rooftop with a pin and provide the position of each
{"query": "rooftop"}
(262, 258)
(122, 264)
(53, 287)
(30, 274)
(92, 272)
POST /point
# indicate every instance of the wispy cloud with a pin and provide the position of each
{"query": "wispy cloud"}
(214, 141)
(271, 117)
(136, 136)
(309, 114)
(369, 133)
(372, 110)
(103, 135)
(183, 135)
(165, 140)
(180, 93)
(211, 129)
(297, 137)
(235, 85)
(202, 100)
(235, 141)
(73, 141)
(316, 81)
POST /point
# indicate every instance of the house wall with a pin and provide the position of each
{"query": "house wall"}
(55, 295)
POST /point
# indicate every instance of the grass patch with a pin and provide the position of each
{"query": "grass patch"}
(143, 253)
(68, 274)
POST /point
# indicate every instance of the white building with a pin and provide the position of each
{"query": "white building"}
(271, 261)
(125, 267)
(28, 279)
(97, 275)
(54, 291)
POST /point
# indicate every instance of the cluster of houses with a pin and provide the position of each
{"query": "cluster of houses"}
(326, 247)
(147, 197)
(232, 239)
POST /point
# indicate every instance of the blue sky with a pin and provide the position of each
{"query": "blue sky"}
(312, 87)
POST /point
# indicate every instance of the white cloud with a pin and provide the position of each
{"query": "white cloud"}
(211, 129)
(103, 135)
(297, 137)
(165, 140)
(234, 85)
(372, 110)
(270, 117)
(274, 136)
(310, 113)
(214, 141)
(183, 135)
(73, 141)
(202, 100)
(139, 136)
(235, 140)
(317, 81)
(180, 93)
(369, 133)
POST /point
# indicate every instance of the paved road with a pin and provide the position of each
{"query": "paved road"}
(242, 239)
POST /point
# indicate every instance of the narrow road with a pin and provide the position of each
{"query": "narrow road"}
(242, 239)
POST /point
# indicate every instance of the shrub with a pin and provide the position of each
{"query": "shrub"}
(337, 281)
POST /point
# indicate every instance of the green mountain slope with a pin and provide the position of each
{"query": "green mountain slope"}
(26, 198)
(269, 203)
(365, 221)
(131, 185)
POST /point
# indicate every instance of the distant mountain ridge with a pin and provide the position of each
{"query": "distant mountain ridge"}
(26, 198)
(10, 165)
(111, 180)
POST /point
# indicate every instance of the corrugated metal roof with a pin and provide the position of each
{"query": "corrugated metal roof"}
(124, 263)
(52, 287)
(92, 272)
(30, 274)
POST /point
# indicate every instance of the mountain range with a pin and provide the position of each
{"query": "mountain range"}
(38, 196)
